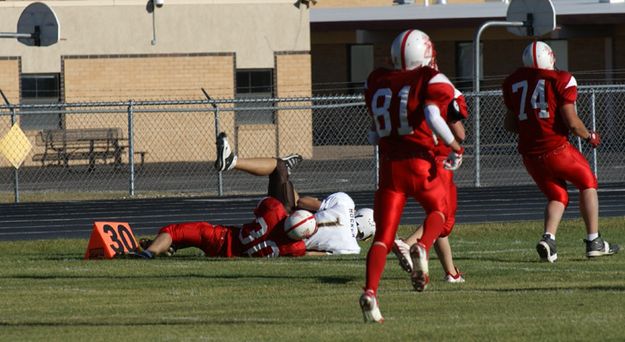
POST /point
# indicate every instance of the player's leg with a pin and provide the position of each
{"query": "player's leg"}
(575, 168)
(419, 252)
(428, 189)
(442, 246)
(554, 189)
(256, 166)
(161, 244)
(388, 207)
(228, 160)
(280, 187)
(443, 250)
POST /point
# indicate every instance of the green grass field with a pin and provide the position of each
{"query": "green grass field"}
(49, 293)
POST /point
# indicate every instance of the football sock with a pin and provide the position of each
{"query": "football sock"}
(551, 236)
(376, 260)
(432, 228)
(592, 236)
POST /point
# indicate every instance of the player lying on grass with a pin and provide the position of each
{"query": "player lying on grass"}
(263, 237)
(340, 225)
(541, 102)
(338, 229)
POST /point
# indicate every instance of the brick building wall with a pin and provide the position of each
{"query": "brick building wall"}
(154, 77)
(293, 79)
(10, 86)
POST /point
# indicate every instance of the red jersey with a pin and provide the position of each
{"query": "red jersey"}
(264, 237)
(535, 96)
(396, 99)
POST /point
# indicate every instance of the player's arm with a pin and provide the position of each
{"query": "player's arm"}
(575, 124)
(439, 126)
(309, 203)
(510, 122)
(317, 253)
(457, 128)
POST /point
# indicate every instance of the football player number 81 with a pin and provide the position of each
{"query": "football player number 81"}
(383, 116)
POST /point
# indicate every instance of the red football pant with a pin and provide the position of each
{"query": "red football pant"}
(553, 169)
(203, 235)
(415, 177)
(447, 177)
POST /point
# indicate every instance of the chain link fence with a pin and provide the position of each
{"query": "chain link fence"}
(165, 148)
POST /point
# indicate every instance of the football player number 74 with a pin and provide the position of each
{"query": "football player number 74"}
(537, 101)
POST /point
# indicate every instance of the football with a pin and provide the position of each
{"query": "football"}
(301, 224)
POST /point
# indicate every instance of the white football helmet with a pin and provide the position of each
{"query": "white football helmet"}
(413, 49)
(365, 224)
(539, 55)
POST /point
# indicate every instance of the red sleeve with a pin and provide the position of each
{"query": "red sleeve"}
(294, 249)
(457, 108)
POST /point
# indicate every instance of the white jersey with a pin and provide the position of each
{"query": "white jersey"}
(337, 229)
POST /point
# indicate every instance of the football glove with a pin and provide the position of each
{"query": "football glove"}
(373, 137)
(593, 139)
(454, 160)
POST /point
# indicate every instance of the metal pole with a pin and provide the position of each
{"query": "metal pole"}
(594, 128)
(220, 180)
(376, 150)
(131, 150)
(16, 181)
(153, 42)
(476, 87)
(15, 35)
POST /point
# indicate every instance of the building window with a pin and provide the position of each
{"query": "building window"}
(254, 84)
(464, 65)
(41, 88)
(360, 65)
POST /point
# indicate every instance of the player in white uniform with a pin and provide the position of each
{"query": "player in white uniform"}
(337, 227)
(340, 226)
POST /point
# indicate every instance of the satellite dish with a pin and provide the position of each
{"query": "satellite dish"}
(539, 16)
(38, 26)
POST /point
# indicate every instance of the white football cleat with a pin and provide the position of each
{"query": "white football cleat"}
(226, 159)
(420, 274)
(458, 278)
(402, 252)
(370, 310)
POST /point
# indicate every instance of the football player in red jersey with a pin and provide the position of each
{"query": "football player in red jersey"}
(456, 112)
(264, 237)
(542, 111)
(408, 106)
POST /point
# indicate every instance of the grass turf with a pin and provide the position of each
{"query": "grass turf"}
(49, 293)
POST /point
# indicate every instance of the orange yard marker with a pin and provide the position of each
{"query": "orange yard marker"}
(109, 239)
